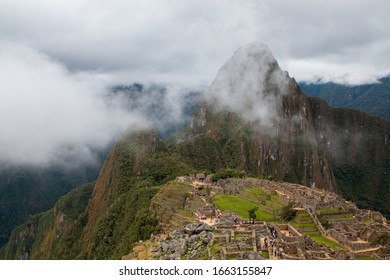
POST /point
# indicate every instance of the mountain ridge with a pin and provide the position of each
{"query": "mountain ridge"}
(373, 98)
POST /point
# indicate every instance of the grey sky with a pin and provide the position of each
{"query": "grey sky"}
(57, 57)
(190, 40)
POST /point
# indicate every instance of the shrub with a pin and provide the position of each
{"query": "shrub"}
(287, 213)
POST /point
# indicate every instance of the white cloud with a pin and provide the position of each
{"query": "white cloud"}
(330, 39)
(189, 40)
(47, 113)
(164, 39)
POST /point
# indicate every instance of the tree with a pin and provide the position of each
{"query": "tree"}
(382, 240)
(287, 213)
(252, 214)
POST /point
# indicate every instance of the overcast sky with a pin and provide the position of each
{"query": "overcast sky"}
(190, 40)
(57, 56)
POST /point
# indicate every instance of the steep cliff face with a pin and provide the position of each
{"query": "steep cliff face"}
(253, 118)
(359, 149)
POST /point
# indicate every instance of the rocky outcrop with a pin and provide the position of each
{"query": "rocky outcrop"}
(188, 242)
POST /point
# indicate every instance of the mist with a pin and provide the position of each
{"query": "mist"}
(50, 115)
(250, 84)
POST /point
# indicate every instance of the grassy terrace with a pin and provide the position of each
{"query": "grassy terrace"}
(368, 221)
(255, 190)
(341, 218)
(332, 244)
(302, 220)
(364, 258)
(241, 206)
(258, 194)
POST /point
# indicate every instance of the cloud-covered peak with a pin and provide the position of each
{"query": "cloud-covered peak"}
(258, 50)
(250, 84)
(253, 57)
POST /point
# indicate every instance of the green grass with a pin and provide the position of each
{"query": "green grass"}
(255, 190)
(251, 195)
(341, 218)
(364, 258)
(298, 225)
(215, 248)
(368, 221)
(275, 204)
(241, 206)
(265, 254)
(332, 244)
(313, 233)
(303, 215)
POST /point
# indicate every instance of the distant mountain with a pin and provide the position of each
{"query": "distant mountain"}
(253, 119)
(373, 99)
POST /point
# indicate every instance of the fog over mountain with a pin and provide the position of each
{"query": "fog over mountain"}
(244, 84)
(59, 58)
(51, 115)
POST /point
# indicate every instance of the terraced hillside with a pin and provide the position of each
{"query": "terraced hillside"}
(229, 233)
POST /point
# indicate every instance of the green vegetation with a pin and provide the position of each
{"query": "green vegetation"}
(305, 224)
(332, 244)
(68, 211)
(227, 173)
(74, 203)
(325, 215)
(163, 166)
(383, 240)
(368, 221)
(364, 258)
(29, 190)
(265, 254)
(370, 98)
(252, 214)
(241, 206)
(202, 152)
(127, 221)
(287, 212)
(215, 248)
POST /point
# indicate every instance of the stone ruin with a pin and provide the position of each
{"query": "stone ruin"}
(238, 239)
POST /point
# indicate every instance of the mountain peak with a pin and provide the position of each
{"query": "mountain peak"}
(250, 83)
(257, 50)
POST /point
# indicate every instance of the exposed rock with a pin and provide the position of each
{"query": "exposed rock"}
(194, 255)
(198, 245)
(250, 256)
